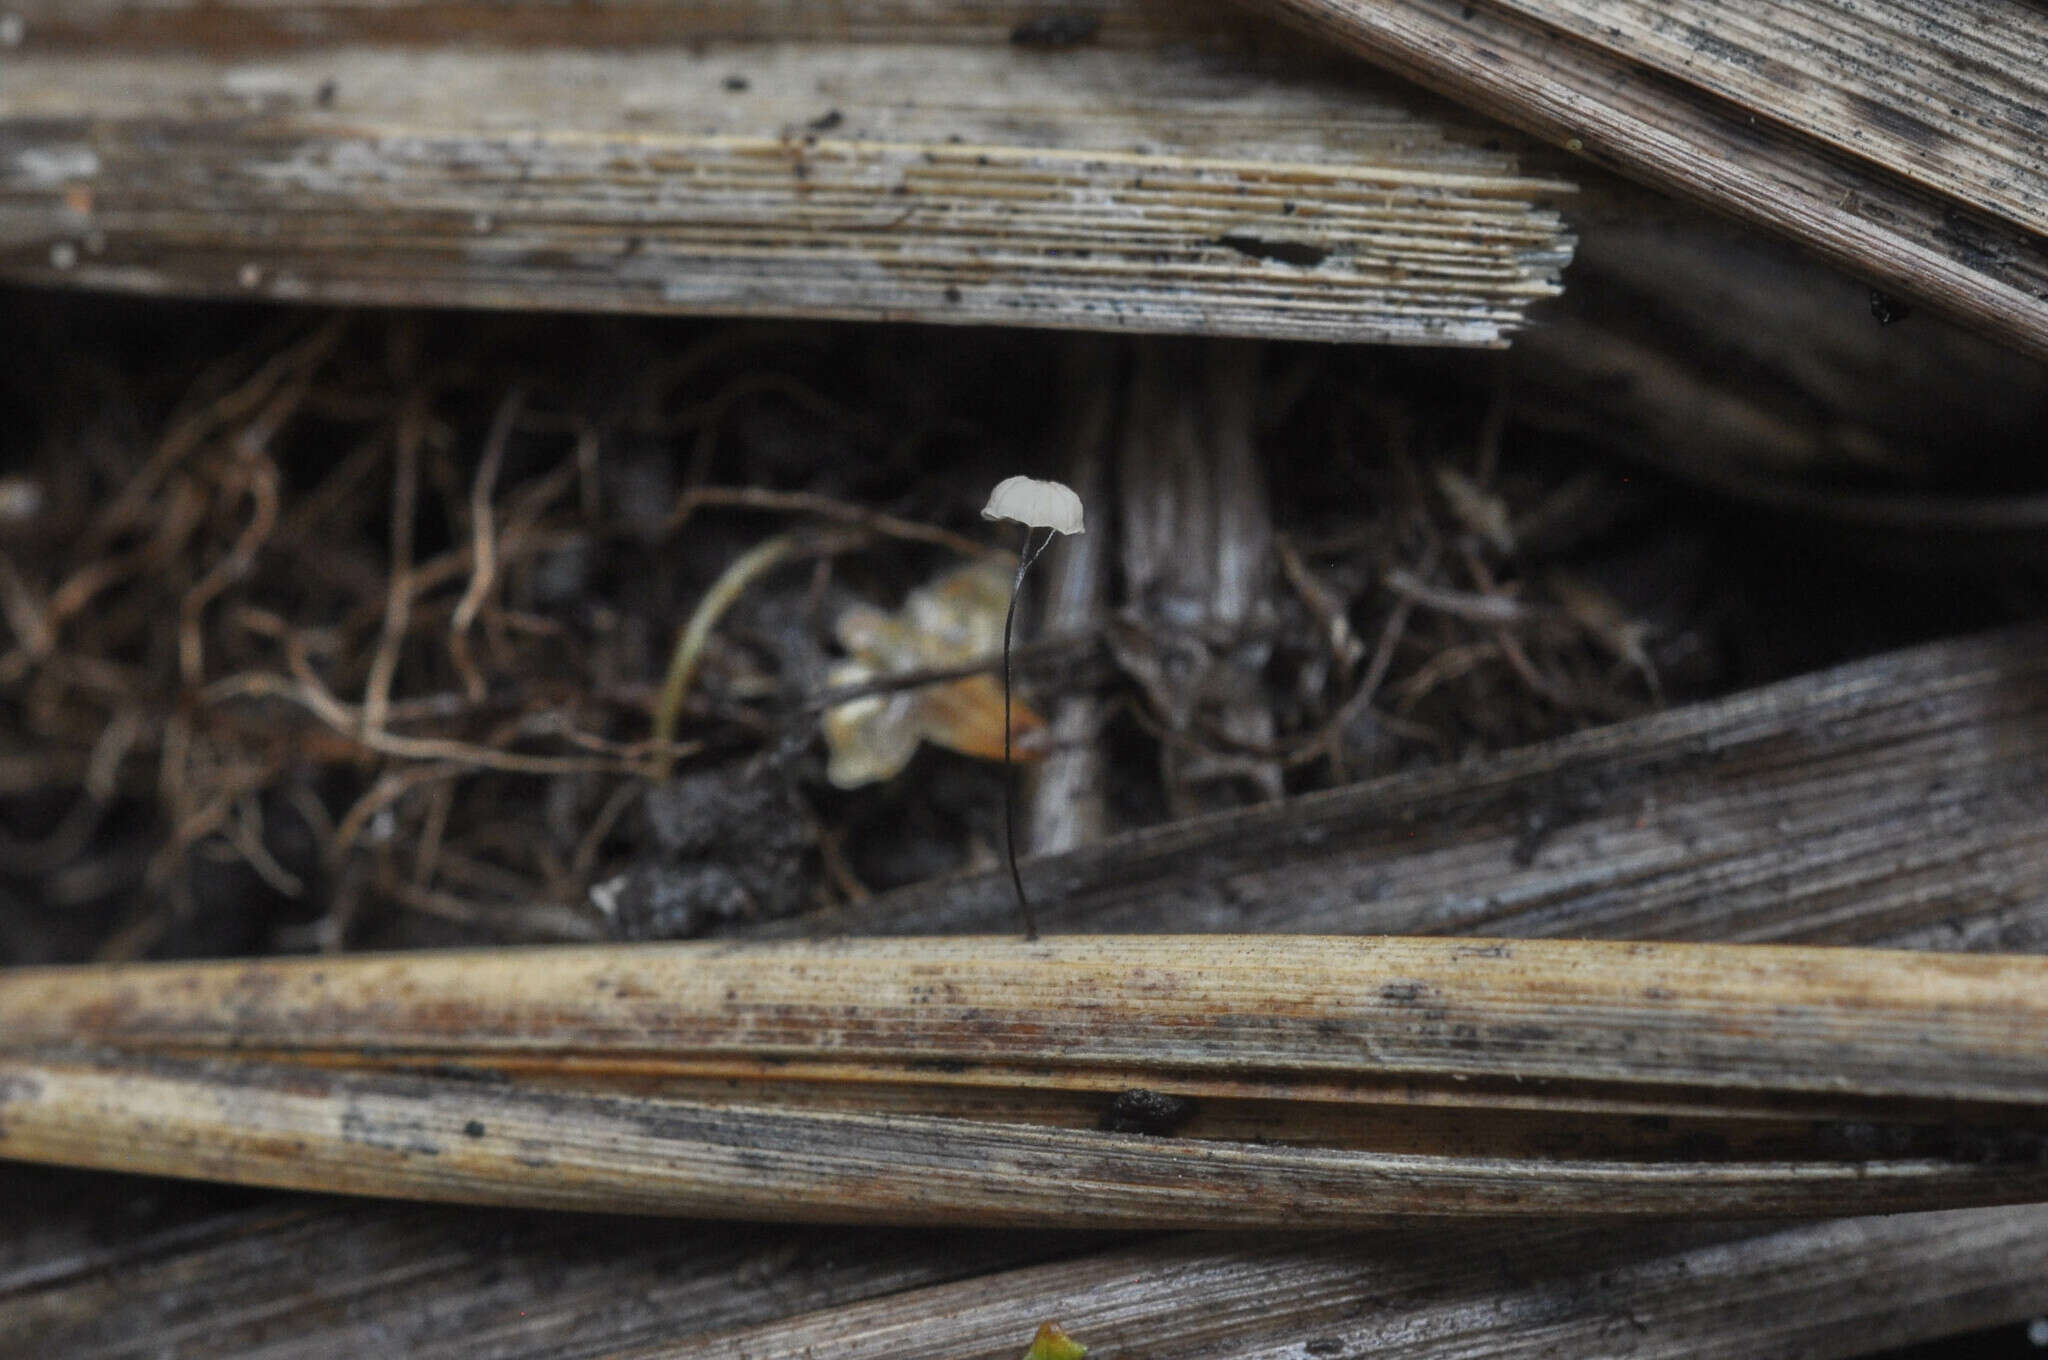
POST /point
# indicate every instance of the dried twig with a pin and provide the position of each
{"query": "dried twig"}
(826, 507)
(399, 592)
(483, 543)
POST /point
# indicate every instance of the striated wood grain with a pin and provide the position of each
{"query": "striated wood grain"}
(1901, 799)
(300, 1276)
(166, 1270)
(1919, 170)
(464, 1141)
(1106, 189)
(1335, 1017)
(1923, 1079)
(1802, 1293)
(1950, 94)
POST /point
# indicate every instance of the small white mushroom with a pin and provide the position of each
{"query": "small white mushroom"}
(1053, 507)
(1036, 504)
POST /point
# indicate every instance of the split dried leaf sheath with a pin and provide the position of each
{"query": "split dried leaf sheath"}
(1298, 1009)
(1307, 1081)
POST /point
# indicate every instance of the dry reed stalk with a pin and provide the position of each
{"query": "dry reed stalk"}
(953, 1080)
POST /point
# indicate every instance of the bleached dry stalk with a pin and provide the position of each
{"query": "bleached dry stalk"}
(1276, 1081)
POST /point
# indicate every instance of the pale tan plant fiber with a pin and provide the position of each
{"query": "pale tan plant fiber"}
(954, 1080)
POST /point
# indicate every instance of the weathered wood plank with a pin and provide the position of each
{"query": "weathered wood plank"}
(1768, 162)
(1101, 189)
(159, 1274)
(1951, 94)
(305, 1277)
(1895, 800)
(1804, 1293)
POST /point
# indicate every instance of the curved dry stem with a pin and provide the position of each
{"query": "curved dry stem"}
(1024, 562)
(747, 568)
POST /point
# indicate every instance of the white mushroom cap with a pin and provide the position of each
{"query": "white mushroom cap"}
(1041, 505)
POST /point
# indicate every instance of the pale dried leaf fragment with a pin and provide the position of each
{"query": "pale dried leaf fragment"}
(954, 620)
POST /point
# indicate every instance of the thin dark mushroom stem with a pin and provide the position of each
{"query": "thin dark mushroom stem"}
(1024, 561)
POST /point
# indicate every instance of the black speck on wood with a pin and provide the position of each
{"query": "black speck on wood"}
(1054, 32)
(1151, 1112)
(1286, 252)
